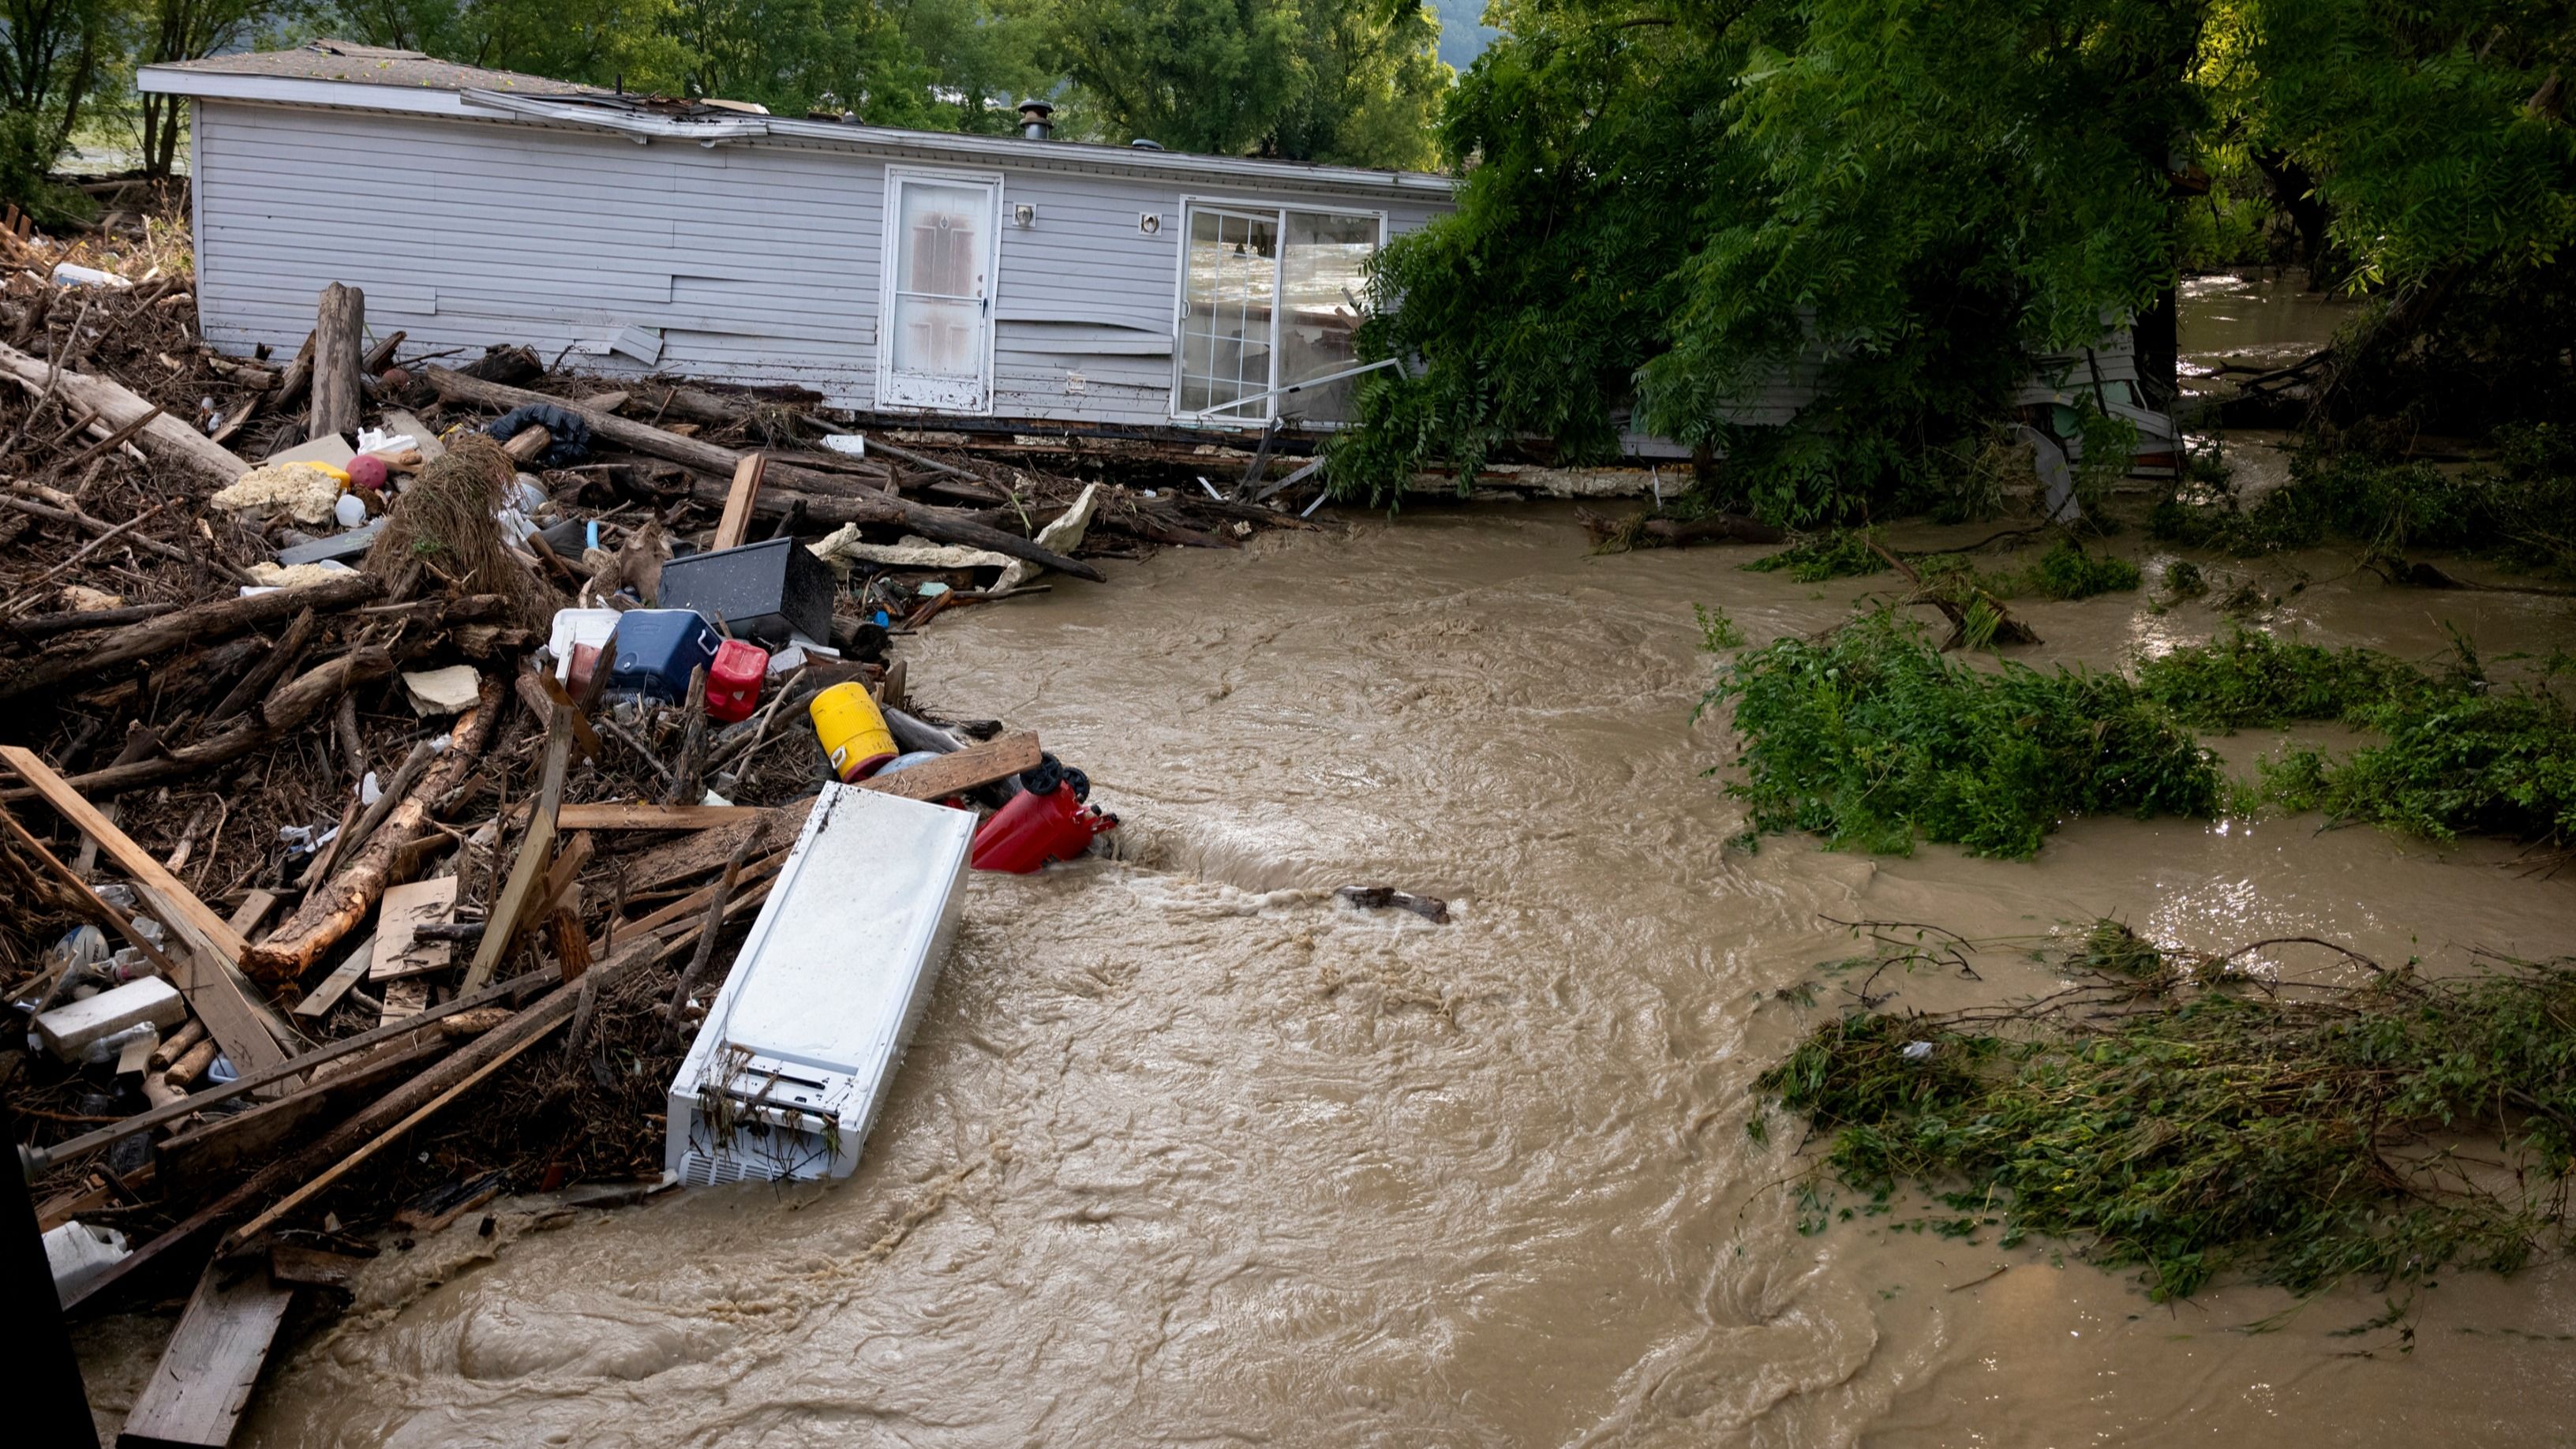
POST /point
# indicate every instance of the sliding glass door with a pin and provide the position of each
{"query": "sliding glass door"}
(1269, 302)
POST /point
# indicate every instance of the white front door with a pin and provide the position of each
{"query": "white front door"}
(943, 247)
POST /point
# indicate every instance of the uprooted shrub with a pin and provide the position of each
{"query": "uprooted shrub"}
(1872, 740)
(2169, 1115)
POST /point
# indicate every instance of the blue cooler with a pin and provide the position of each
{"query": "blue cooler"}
(657, 649)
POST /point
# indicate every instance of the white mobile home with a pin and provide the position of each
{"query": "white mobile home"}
(946, 278)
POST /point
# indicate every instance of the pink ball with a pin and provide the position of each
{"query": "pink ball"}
(367, 471)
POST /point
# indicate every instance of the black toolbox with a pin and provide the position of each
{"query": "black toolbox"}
(757, 591)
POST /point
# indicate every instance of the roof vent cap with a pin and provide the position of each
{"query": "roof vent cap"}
(1037, 120)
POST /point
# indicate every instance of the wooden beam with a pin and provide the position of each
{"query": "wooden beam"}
(998, 758)
(318, 1003)
(210, 986)
(738, 501)
(204, 1380)
(642, 815)
(536, 853)
(190, 1161)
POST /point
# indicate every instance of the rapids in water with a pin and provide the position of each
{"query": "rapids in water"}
(1188, 1152)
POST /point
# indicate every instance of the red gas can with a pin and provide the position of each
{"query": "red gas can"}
(733, 680)
(1035, 828)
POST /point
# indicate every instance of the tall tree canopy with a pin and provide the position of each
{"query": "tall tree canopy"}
(1662, 209)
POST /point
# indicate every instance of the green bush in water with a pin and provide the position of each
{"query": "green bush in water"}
(2248, 679)
(2066, 571)
(1872, 739)
(2520, 508)
(2454, 762)
(1844, 553)
(2192, 1128)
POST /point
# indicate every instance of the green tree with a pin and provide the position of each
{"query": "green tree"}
(1665, 211)
(178, 30)
(54, 56)
(1350, 81)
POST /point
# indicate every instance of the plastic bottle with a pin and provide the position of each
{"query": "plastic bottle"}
(852, 730)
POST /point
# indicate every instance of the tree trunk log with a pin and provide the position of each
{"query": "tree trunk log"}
(333, 911)
(204, 623)
(339, 344)
(165, 440)
(828, 500)
(291, 707)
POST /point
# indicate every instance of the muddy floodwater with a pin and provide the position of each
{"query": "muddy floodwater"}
(1186, 1152)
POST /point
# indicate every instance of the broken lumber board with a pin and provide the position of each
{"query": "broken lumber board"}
(204, 1380)
(827, 501)
(772, 829)
(738, 500)
(998, 758)
(318, 1003)
(202, 971)
(536, 856)
(313, 1267)
(686, 905)
(400, 952)
(643, 815)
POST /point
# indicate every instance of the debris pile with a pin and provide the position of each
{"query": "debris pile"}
(400, 746)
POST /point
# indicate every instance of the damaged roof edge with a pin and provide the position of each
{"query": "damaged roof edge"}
(476, 103)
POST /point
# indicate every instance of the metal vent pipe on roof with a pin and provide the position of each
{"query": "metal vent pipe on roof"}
(1037, 120)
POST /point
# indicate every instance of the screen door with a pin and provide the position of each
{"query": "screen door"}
(942, 250)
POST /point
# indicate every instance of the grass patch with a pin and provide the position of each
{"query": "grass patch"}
(1843, 553)
(1872, 740)
(2169, 1116)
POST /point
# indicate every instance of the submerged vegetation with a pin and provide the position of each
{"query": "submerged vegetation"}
(2171, 1114)
(1836, 553)
(1872, 739)
(2519, 509)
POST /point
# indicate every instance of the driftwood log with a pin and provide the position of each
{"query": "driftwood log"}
(339, 344)
(165, 440)
(827, 499)
(291, 706)
(333, 911)
(203, 624)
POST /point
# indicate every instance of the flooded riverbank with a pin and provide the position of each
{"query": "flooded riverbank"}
(1185, 1151)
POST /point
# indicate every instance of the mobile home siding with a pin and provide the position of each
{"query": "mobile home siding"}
(755, 261)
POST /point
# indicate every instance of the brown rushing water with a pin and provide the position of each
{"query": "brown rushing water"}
(1186, 1152)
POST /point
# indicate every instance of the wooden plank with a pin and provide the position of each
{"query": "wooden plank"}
(312, 1267)
(215, 996)
(399, 952)
(510, 908)
(995, 759)
(205, 1377)
(253, 910)
(687, 905)
(130, 857)
(403, 1001)
(643, 815)
(738, 500)
(708, 850)
(336, 985)
(540, 691)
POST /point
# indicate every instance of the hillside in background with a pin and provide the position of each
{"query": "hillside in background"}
(1463, 35)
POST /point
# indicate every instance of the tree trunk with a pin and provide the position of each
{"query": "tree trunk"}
(339, 345)
(828, 500)
(290, 707)
(202, 624)
(165, 440)
(330, 913)
(2159, 349)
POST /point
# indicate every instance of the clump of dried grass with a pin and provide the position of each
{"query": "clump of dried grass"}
(444, 523)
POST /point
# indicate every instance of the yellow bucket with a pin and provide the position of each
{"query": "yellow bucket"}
(852, 731)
